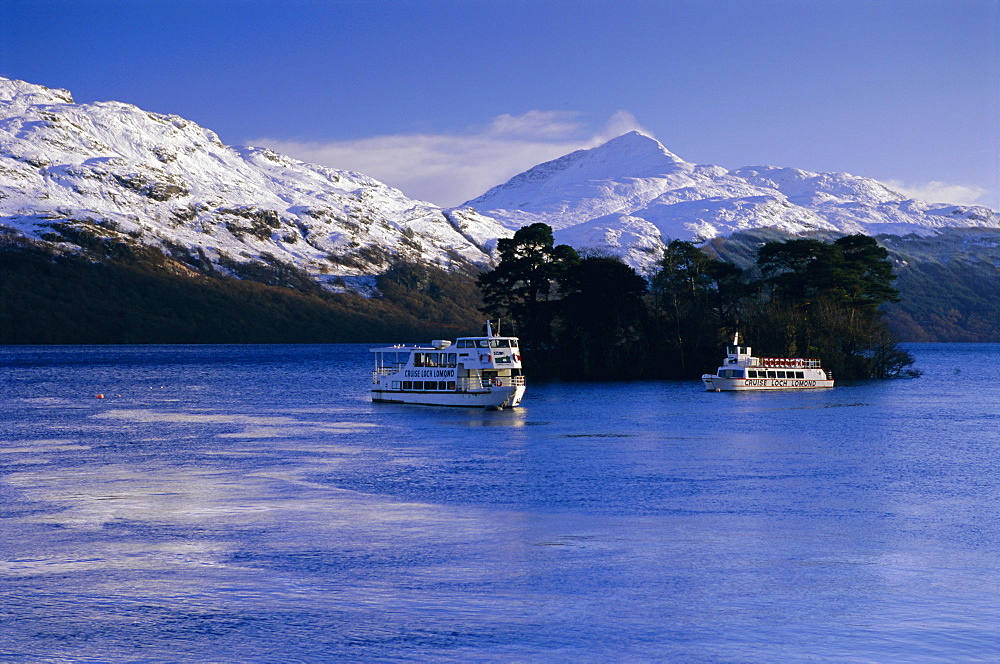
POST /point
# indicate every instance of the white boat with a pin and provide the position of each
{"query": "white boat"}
(477, 372)
(741, 371)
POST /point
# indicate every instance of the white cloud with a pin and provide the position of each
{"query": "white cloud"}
(449, 169)
(543, 125)
(940, 192)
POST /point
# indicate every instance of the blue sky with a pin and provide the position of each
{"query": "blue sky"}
(445, 98)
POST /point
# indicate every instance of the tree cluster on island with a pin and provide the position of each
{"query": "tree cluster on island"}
(594, 317)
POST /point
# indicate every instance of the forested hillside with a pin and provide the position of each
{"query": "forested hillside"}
(67, 299)
(948, 291)
(948, 283)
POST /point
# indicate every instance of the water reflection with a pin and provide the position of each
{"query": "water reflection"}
(261, 512)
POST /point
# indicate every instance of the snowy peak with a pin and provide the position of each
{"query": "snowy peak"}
(634, 153)
(587, 183)
(631, 155)
(631, 195)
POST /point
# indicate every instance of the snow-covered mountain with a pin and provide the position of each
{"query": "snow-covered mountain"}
(109, 173)
(631, 195)
(109, 177)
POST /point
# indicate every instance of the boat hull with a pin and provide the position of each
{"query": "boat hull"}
(717, 384)
(495, 397)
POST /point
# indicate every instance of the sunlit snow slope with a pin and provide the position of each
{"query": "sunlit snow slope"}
(73, 175)
(109, 174)
(630, 195)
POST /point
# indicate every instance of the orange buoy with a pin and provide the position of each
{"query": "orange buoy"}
(99, 396)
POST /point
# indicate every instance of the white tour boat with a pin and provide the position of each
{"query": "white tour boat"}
(481, 372)
(741, 371)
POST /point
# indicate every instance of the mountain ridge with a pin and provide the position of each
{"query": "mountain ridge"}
(108, 181)
(115, 171)
(634, 207)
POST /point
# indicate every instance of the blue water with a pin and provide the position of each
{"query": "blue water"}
(250, 504)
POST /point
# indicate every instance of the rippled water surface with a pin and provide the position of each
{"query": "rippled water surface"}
(249, 503)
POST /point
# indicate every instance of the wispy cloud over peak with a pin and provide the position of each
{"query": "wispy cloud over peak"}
(448, 169)
(940, 192)
(541, 125)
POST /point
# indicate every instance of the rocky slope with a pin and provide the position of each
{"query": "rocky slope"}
(110, 178)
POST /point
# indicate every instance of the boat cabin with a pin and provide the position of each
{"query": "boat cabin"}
(741, 370)
(471, 366)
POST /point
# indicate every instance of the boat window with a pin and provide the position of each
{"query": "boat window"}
(799, 374)
(451, 385)
(452, 359)
(483, 343)
(770, 374)
(751, 373)
(781, 374)
(461, 343)
(431, 360)
(513, 343)
(418, 384)
(407, 384)
(500, 343)
(395, 384)
(418, 359)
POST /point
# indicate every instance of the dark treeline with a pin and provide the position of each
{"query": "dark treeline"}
(69, 299)
(593, 317)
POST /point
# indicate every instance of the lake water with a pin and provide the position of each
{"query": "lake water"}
(250, 504)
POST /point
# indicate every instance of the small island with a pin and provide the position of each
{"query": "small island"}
(594, 317)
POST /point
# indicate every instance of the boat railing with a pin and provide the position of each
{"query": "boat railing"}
(503, 381)
(481, 383)
(386, 370)
(786, 363)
